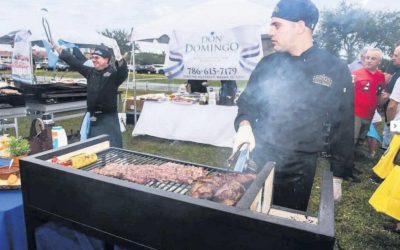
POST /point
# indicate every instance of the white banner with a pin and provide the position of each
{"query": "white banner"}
(230, 54)
(21, 58)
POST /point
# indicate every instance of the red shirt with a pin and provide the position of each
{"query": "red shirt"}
(366, 88)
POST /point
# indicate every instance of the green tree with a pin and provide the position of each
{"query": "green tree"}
(386, 30)
(122, 38)
(149, 58)
(348, 28)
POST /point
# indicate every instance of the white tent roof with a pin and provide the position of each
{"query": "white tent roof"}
(215, 14)
(6, 47)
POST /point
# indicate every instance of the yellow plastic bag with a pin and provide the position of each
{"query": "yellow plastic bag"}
(386, 198)
(386, 163)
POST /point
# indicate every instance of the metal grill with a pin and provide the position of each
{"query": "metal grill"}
(54, 92)
(9, 101)
(115, 155)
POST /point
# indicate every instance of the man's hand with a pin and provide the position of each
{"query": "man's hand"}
(55, 47)
(337, 188)
(244, 135)
(388, 77)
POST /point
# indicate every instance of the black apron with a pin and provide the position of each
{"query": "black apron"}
(107, 123)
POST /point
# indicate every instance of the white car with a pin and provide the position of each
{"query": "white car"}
(130, 67)
(159, 68)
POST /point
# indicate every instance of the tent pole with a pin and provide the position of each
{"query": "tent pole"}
(134, 79)
(134, 74)
(31, 63)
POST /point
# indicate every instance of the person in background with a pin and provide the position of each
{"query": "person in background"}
(103, 81)
(391, 81)
(368, 85)
(227, 92)
(197, 86)
(393, 108)
(391, 69)
(298, 103)
(374, 138)
(358, 63)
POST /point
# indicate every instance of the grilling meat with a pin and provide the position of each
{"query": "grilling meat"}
(143, 174)
(225, 188)
(229, 193)
(205, 188)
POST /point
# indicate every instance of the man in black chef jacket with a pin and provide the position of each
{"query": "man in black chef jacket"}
(297, 104)
(103, 81)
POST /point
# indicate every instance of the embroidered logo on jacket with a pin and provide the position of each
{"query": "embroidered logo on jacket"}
(322, 80)
(107, 74)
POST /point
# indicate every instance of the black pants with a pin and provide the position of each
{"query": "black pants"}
(294, 175)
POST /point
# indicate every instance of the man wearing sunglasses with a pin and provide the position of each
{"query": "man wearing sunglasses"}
(103, 81)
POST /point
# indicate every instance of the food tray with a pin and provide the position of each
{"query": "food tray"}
(182, 102)
(4, 185)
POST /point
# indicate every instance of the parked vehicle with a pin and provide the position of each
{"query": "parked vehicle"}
(62, 67)
(159, 68)
(130, 67)
(41, 65)
(59, 67)
(145, 69)
(8, 66)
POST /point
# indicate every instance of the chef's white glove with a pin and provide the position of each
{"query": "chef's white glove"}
(117, 52)
(244, 135)
(337, 189)
(112, 43)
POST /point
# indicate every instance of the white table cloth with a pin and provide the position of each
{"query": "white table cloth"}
(208, 124)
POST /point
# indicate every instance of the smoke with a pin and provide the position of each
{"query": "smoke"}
(291, 101)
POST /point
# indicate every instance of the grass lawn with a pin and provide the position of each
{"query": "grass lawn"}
(357, 224)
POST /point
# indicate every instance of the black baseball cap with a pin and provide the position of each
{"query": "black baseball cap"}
(296, 10)
(102, 51)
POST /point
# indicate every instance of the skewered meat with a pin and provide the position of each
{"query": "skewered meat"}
(145, 173)
(226, 188)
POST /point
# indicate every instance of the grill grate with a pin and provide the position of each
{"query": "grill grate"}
(115, 155)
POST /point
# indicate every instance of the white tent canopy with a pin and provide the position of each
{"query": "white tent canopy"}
(211, 15)
(87, 39)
